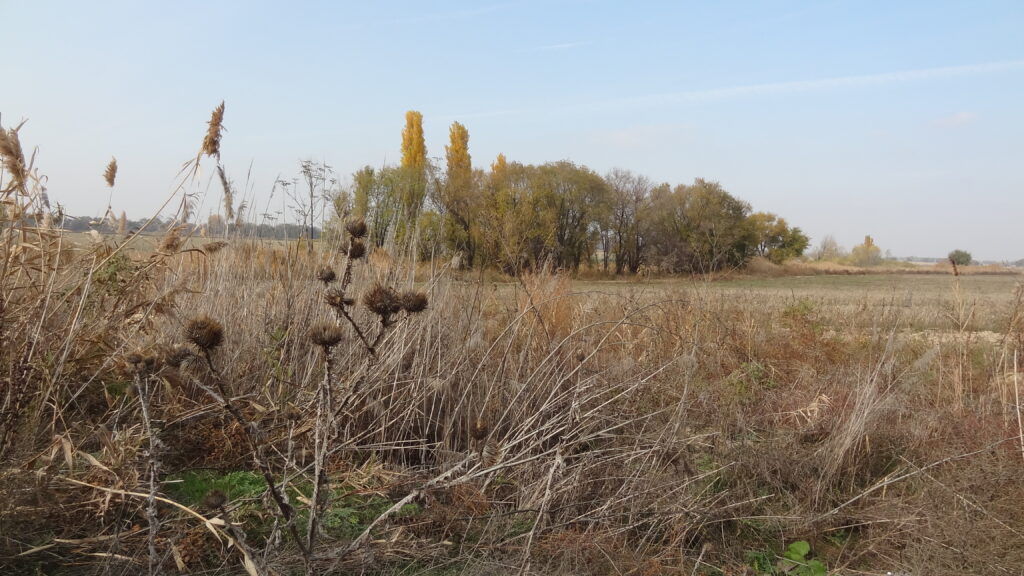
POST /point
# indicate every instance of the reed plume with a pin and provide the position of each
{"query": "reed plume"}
(211, 142)
(13, 158)
(110, 174)
(229, 196)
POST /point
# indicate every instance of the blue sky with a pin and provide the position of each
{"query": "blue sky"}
(900, 120)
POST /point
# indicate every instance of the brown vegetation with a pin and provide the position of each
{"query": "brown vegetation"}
(243, 410)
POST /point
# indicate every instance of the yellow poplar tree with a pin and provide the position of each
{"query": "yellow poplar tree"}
(414, 150)
(414, 170)
(457, 195)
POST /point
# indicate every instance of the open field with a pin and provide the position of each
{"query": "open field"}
(924, 299)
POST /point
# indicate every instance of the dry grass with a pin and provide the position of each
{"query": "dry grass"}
(389, 418)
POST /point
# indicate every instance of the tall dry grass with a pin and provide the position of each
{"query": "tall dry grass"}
(395, 418)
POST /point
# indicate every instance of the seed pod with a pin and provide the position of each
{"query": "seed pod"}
(205, 332)
(356, 249)
(326, 275)
(382, 301)
(336, 298)
(414, 301)
(178, 356)
(326, 335)
(479, 429)
(357, 228)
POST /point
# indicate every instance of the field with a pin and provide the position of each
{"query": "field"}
(179, 404)
(204, 407)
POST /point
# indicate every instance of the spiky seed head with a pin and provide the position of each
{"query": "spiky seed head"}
(205, 332)
(479, 429)
(110, 174)
(215, 499)
(326, 274)
(414, 301)
(356, 249)
(178, 356)
(326, 335)
(211, 142)
(357, 228)
(382, 301)
(143, 363)
(335, 298)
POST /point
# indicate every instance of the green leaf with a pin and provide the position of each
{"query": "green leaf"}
(798, 550)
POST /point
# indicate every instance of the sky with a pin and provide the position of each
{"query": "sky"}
(901, 120)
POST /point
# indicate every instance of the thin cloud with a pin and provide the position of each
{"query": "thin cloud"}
(840, 82)
(958, 119)
(562, 46)
(776, 88)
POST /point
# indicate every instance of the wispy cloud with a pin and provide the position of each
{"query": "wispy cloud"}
(839, 82)
(777, 88)
(958, 119)
(552, 47)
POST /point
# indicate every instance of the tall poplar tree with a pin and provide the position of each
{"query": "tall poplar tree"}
(414, 167)
(458, 195)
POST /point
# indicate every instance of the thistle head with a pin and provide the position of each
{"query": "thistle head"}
(335, 298)
(382, 301)
(142, 363)
(205, 332)
(356, 249)
(326, 275)
(414, 301)
(178, 356)
(326, 335)
(479, 429)
(356, 228)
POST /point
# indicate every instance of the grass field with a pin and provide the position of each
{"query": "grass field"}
(923, 301)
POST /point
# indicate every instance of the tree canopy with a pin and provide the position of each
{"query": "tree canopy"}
(518, 217)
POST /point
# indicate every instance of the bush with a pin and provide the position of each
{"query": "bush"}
(866, 254)
(960, 257)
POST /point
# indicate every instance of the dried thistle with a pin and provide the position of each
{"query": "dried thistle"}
(956, 270)
(178, 356)
(336, 298)
(356, 249)
(326, 335)
(326, 275)
(414, 301)
(142, 363)
(382, 301)
(13, 158)
(357, 228)
(479, 429)
(110, 174)
(205, 332)
(211, 142)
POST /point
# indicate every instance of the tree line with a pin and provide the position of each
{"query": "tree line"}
(518, 217)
